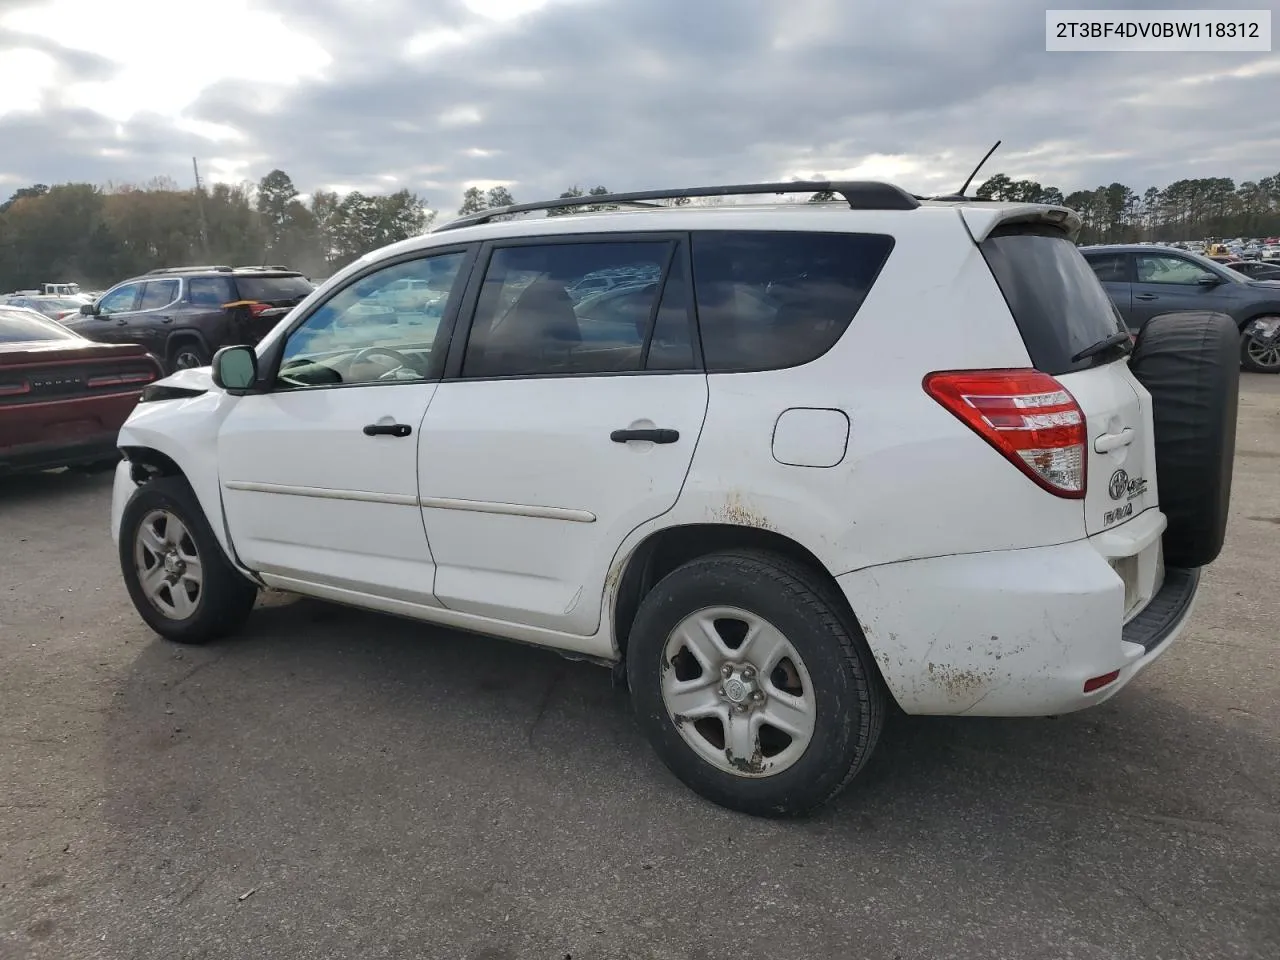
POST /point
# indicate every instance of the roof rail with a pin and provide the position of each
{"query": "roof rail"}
(859, 194)
(268, 266)
(215, 267)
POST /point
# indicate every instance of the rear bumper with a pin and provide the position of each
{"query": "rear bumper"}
(1019, 632)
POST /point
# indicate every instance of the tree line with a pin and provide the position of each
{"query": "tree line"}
(99, 235)
(1196, 209)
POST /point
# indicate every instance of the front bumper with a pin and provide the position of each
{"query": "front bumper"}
(1019, 632)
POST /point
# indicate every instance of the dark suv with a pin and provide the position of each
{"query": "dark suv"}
(184, 314)
(1146, 280)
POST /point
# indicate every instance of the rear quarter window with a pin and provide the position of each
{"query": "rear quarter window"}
(272, 289)
(770, 300)
(1056, 299)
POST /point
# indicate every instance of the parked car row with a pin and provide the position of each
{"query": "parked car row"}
(71, 368)
(184, 314)
(1145, 281)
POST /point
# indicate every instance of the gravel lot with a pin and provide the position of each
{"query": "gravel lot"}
(340, 784)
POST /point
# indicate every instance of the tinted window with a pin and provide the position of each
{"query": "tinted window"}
(274, 289)
(158, 293)
(369, 331)
(566, 308)
(1058, 303)
(772, 300)
(19, 327)
(119, 300)
(1109, 267)
(671, 346)
(210, 291)
(1159, 269)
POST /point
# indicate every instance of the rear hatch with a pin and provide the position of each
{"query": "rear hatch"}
(1062, 311)
(265, 298)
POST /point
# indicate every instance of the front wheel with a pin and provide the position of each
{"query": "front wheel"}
(180, 581)
(752, 685)
(1260, 346)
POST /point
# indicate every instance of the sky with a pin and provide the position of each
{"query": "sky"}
(538, 95)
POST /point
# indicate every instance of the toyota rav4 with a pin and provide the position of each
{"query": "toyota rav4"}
(778, 480)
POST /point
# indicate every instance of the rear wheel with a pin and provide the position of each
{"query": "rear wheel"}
(752, 685)
(1260, 354)
(187, 354)
(180, 581)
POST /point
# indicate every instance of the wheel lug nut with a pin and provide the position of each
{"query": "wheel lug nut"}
(749, 673)
(720, 691)
(758, 696)
(726, 671)
(741, 708)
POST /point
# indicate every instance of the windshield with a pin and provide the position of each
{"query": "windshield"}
(19, 326)
(1217, 269)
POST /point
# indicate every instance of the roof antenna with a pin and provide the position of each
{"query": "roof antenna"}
(985, 158)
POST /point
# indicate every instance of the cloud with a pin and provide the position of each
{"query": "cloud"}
(541, 94)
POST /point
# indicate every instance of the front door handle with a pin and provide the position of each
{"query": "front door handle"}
(387, 430)
(1145, 296)
(653, 436)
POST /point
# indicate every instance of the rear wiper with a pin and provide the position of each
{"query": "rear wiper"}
(1122, 341)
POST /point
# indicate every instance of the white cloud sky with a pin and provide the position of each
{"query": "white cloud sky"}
(436, 95)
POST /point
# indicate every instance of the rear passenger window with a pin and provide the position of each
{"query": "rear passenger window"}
(772, 300)
(1109, 267)
(158, 293)
(566, 308)
(209, 291)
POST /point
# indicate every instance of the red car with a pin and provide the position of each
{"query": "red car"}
(63, 398)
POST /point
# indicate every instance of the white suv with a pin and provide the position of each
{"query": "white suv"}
(815, 459)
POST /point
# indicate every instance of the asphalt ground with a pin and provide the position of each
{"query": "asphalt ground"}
(340, 784)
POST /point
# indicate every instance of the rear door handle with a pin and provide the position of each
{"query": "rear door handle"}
(387, 430)
(1114, 441)
(653, 436)
(1145, 296)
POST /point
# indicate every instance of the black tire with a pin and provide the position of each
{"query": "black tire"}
(187, 353)
(849, 695)
(1255, 360)
(1190, 364)
(225, 597)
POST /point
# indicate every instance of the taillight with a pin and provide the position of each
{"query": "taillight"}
(120, 379)
(1027, 415)
(14, 389)
(258, 309)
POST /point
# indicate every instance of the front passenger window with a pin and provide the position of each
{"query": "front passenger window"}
(120, 300)
(381, 328)
(1156, 269)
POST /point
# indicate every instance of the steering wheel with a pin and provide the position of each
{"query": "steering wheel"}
(364, 354)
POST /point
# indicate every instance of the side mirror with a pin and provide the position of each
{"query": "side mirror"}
(1209, 281)
(235, 369)
(87, 310)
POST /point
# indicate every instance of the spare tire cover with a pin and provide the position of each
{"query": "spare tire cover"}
(1190, 364)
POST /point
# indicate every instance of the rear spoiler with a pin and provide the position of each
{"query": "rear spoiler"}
(981, 221)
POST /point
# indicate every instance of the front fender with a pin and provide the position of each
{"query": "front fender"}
(186, 431)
